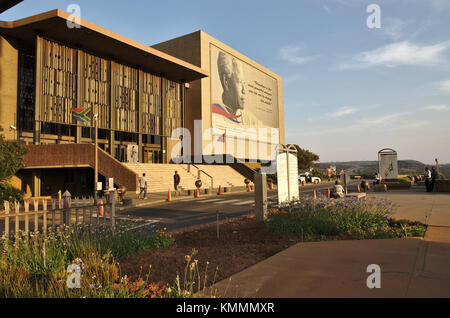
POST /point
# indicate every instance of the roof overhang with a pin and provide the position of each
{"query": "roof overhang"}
(100, 41)
(7, 4)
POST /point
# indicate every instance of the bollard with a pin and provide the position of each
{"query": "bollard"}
(67, 203)
(260, 196)
(217, 222)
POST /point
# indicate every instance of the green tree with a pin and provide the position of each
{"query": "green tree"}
(11, 161)
(306, 159)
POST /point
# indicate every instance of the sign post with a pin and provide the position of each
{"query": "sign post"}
(287, 174)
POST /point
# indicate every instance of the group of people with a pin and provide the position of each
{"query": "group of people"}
(143, 185)
(430, 178)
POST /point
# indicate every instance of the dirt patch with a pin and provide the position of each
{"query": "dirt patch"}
(242, 243)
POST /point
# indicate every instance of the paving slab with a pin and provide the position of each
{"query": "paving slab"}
(415, 204)
(328, 269)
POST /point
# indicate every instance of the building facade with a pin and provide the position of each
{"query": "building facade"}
(241, 100)
(65, 86)
(62, 84)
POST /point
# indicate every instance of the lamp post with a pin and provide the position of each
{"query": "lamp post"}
(95, 157)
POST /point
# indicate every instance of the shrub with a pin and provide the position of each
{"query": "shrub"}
(35, 265)
(348, 218)
(9, 193)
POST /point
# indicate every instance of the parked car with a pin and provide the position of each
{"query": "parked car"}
(308, 179)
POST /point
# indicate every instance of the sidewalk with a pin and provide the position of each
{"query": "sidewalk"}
(412, 267)
(416, 208)
(160, 198)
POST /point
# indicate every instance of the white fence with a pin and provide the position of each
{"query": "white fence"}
(45, 214)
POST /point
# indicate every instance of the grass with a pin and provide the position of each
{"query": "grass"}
(36, 265)
(324, 218)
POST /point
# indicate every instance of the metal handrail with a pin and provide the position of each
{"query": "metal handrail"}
(199, 171)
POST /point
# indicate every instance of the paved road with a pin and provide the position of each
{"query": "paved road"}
(181, 214)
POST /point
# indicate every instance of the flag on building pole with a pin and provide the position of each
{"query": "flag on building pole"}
(80, 114)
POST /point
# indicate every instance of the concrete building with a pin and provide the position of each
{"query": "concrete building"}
(259, 104)
(61, 84)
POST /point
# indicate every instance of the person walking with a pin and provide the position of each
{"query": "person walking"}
(427, 176)
(143, 187)
(176, 182)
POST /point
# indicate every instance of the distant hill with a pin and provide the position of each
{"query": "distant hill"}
(445, 170)
(371, 167)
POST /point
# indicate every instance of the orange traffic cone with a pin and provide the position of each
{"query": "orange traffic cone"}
(358, 189)
(315, 195)
(220, 191)
(101, 207)
(271, 185)
(169, 196)
(328, 194)
(248, 188)
(368, 187)
(303, 183)
(197, 193)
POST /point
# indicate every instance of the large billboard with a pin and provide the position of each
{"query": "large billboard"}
(242, 96)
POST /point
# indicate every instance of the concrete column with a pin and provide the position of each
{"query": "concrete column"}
(260, 196)
(36, 182)
(141, 148)
(78, 135)
(112, 144)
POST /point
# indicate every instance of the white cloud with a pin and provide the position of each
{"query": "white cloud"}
(400, 53)
(440, 107)
(292, 78)
(385, 123)
(343, 111)
(394, 28)
(441, 4)
(292, 54)
(327, 9)
(444, 86)
(385, 119)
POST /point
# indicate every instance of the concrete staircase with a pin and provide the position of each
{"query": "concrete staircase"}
(160, 176)
(224, 176)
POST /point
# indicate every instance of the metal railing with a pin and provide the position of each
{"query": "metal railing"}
(199, 172)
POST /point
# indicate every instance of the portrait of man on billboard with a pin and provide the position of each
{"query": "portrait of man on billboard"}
(232, 78)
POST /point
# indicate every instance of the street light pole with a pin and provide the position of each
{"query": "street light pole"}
(95, 157)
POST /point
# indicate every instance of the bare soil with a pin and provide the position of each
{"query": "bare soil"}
(242, 242)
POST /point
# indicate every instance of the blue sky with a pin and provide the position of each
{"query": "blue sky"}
(348, 90)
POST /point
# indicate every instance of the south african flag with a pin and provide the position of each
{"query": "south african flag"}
(80, 114)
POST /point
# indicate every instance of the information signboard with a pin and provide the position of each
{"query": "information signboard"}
(287, 177)
(388, 165)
